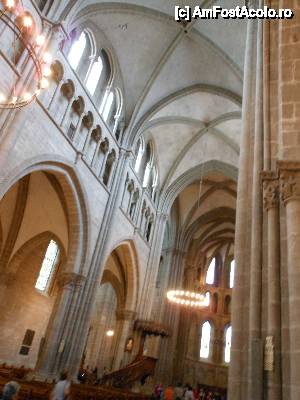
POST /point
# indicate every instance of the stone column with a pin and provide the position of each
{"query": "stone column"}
(54, 355)
(168, 350)
(125, 321)
(246, 367)
(152, 267)
(271, 206)
(87, 298)
(290, 194)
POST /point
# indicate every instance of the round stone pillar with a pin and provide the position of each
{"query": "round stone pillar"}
(125, 321)
(271, 207)
(290, 194)
(59, 346)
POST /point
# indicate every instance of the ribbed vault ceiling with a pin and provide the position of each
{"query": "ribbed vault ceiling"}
(182, 87)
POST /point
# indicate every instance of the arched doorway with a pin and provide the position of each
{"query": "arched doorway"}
(114, 312)
(39, 247)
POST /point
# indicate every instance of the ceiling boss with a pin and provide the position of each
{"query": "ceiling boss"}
(25, 50)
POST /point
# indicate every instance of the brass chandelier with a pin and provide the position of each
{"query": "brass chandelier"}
(19, 23)
(187, 298)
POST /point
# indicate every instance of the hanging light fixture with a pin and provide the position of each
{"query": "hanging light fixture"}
(185, 297)
(21, 92)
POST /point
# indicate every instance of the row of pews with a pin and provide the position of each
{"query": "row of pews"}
(35, 390)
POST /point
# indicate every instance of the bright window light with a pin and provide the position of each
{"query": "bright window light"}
(48, 265)
(205, 340)
(94, 76)
(232, 270)
(228, 336)
(106, 105)
(210, 276)
(77, 50)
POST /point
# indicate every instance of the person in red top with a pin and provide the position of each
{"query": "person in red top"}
(169, 393)
(197, 392)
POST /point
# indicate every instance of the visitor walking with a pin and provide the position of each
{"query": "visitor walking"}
(61, 390)
(189, 395)
(178, 392)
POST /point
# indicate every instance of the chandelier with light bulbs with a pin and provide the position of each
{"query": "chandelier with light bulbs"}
(21, 93)
(187, 298)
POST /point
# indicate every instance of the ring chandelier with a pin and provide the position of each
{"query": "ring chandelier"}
(20, 95)
(186, 298)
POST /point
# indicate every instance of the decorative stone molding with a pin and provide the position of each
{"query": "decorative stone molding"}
(70, 280)
(289, 172)
(126, 315)
(270, 183)
(163, 216)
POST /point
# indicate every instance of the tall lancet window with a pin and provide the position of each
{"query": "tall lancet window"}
(48, 266)
(77, 50)
(228, 335)
(205, 340)
(231, 276)
(106, 105)
(210, 276)
(94, 76)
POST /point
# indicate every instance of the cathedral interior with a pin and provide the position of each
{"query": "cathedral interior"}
(149, 198)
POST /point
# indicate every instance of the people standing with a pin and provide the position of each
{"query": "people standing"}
(10, 391)
(189, 395)
(62, 388)
(158, 391)
(178, 392)
(169, 393)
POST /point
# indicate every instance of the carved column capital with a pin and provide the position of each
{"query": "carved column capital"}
(70, 280)
(289, 172)
(270, 183)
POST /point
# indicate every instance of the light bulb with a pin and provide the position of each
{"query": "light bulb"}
(14, 99)
(27, 96)
(2, 98)
(10, 4)
(27, 21)
(40, 40)
(44, 83)
(110, 333)
(47, 58)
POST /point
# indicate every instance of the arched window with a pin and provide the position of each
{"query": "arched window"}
(215, 303)
(48, 265)
(231, 276)
(207, 299)
(228, 335)
(210, 276)
(205, 340)
(77, 50)
(146, 175)
(106, 105)
(139, 155)
(227, 305)
(111, 158)
(94, 76)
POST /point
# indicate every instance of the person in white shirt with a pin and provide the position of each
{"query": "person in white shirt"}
(61, 390)
(189, 395)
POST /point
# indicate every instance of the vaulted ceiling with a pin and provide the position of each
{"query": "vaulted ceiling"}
(182, 83)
